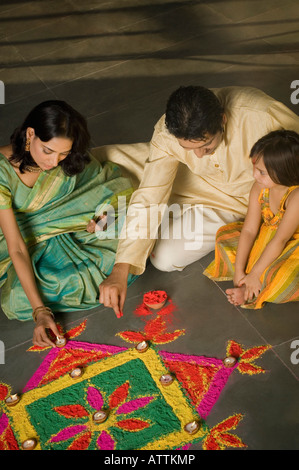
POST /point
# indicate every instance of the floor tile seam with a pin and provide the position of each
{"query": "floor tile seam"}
(148, 55)
(87, 75)
(65, 325)
(139, 56)
(287, 341)
(264, 339)
(7, 66)
(276, 49)
(238, 309)
(120, 63)
(123, 28)
(151, 17)
(285, 33)
(281, 47)
(192, 4)
(11, 8)
(94, 313)
(218, 59)
(76, 42)
(262, 68)
(125, 105)
(19, 100)
(284, 363)
(54, 17)
(17, 345)
(259, 23)
(25, 31)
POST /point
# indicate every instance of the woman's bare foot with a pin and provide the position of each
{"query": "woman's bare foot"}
(236, 295)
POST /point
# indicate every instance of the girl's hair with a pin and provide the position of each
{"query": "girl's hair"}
(51, 119)
(192, 112)
(280, 153)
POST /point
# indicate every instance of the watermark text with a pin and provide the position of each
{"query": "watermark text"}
(295, 354)
(2, 352)
(2, 93)
(295, 94)
(175, 221)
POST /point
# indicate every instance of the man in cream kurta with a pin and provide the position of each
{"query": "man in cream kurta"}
(214, 186)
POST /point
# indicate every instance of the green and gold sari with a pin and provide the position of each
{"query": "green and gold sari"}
(69, 263)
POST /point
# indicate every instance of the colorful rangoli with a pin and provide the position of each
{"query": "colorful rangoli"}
(101, 397)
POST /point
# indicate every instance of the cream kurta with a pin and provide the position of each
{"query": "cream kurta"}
(175, 175)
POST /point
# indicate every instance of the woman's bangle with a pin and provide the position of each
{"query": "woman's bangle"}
(43, 309)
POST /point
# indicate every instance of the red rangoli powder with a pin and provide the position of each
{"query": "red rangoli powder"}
(155, 297)
(150, 299)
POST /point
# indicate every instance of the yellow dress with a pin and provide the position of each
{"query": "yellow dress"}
(280, 280)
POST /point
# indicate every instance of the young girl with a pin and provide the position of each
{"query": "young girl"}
(261, 255)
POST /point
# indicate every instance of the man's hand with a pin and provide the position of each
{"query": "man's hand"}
(113, 290)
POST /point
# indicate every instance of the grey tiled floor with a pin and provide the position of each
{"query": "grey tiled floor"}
(117, 61)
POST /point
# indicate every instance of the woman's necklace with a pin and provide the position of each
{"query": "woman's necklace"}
(33, 170)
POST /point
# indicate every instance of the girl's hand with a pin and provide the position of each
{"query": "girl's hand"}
(238, 276)
(252, 285)
(44, 321)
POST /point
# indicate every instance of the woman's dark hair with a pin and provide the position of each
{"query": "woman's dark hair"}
(50, 119)
(280, 153)
(192, 112)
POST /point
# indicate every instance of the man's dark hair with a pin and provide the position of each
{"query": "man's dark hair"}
(193, 112)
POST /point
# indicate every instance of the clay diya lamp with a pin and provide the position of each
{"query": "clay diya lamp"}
(192, 428)
(12, 400)
(155, 299)
(76, 373)
(29, 444)
(142, 347)
(100, 416)
(166, 379)
(229, 361)
(60, 342)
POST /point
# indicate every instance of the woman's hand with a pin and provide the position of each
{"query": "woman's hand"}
(97, 225)
(44, 321)
(252, 285)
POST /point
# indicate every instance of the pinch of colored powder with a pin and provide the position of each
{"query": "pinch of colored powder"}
(154, 297)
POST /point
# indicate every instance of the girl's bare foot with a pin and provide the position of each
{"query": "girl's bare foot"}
(236, 295)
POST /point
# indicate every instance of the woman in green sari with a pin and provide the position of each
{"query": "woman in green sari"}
(49, 190)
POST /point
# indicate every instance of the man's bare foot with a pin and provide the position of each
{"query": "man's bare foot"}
(236, 295)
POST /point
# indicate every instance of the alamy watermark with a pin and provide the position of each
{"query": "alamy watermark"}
(295, 95)
(2, 93)
(2, 352)
(295, 354)
(175, 221)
